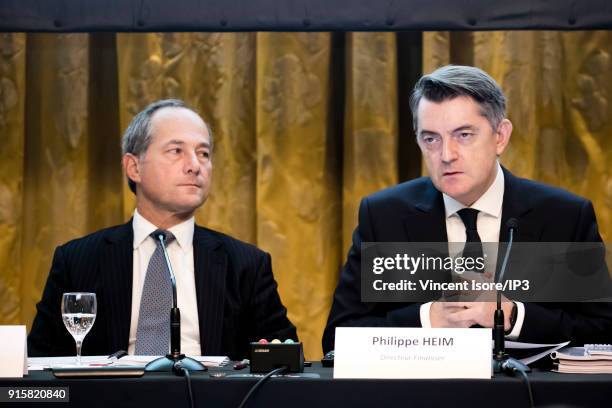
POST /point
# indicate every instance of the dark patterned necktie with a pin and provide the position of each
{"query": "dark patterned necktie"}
(473, 245)
(153, 333)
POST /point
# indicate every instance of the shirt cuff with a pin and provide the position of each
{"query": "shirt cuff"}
(424, 315)
(520, 318)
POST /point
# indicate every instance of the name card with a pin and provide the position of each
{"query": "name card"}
(13, 351)
(389, 352)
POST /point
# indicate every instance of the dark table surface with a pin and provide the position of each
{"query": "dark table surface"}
(166, 390)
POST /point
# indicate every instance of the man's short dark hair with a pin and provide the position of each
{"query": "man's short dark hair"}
(137, 137)
(452, 81)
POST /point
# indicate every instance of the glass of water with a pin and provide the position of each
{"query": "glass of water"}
(79, 314)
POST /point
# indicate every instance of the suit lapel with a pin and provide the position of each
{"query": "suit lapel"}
(210, 265)
(517, 204)
(117, 273)
(426, 222)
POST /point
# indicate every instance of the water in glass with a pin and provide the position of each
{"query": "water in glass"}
(79, 314)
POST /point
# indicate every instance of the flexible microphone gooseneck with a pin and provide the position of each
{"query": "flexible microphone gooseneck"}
(169, 362)
(501, 361)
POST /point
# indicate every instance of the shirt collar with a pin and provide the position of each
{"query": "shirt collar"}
(489, 203)
(143, 228)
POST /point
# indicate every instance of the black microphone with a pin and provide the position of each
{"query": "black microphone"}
(511, 227)
(501, 361)
(175, 361)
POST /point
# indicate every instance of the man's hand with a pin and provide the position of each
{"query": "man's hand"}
(450, 314)
(467, 314)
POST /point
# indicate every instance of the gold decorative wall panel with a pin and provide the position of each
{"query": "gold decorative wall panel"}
(56, 170)
(298, 200)
(305, 125)
(370, 123)
(12, 103)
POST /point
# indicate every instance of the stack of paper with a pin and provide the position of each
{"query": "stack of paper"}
(583, 360)
(529, 353)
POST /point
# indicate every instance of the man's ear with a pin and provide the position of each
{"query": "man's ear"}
(504, 131)
(130, 166)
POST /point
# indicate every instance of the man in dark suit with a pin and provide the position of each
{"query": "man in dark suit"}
(461, 128)
(226, 291)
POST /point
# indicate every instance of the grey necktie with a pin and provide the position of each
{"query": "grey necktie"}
(153, 333)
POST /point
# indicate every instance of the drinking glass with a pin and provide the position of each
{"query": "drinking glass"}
(79, 315)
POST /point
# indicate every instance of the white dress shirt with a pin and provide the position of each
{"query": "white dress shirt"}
(180, 252)
(488, 224)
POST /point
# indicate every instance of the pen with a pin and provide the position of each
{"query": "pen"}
(117, 355)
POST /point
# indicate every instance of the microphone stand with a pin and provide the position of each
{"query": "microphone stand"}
(502, 362)
(174, 361)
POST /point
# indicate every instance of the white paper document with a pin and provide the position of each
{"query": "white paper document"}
(209, 361)
(548, 348)
(42, 363)
(13, 352)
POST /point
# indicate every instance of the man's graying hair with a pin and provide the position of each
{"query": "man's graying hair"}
(137, 136)
(452, 81)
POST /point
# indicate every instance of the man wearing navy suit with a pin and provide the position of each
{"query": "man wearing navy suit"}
(461, 129)
(226, 291)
